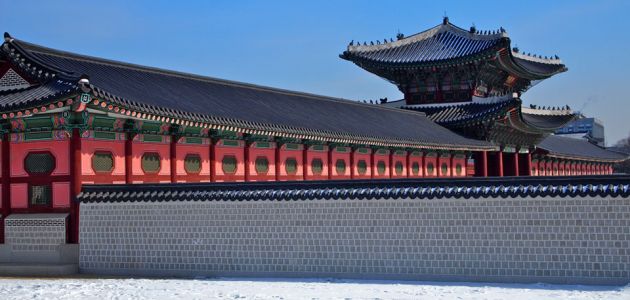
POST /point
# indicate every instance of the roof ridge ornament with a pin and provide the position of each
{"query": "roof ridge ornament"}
(7, 37)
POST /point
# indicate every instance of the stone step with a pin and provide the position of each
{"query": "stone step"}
(34, 269)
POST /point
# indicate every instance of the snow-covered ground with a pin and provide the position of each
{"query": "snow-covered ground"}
(240, 288)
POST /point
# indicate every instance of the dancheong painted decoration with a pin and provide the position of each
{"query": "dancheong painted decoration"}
(70, 120)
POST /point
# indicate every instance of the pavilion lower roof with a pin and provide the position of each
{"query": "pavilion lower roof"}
(170, 95)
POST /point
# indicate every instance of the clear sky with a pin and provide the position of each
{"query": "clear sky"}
(295, 45)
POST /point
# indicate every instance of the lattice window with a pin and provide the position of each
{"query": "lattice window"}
(415, 168)
(430, 168)
(150, 162)
(39, 163)
(11, 80)
(40, 195)
(340, 166)
(458, 169)
(103, 162)
(380, 167)
(398, 167)
(262, 165)
(192, 164)
(361, 167)
(317, 166)
(228, 165)
(444, 169)
(290, 166)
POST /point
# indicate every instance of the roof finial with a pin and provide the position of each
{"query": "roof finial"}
(473, 29)
(515, 49)
(445, 19)
(399, 35)
(7, 37)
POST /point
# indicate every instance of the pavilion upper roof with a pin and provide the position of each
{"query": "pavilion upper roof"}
(446, 45)
(204, 101)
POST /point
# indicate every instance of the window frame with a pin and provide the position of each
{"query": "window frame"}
(286, 165)
(266, 170)
(159, 163)
(200, 163)
(54, 166)
(103, 152)
(223, 164)
(320, 167)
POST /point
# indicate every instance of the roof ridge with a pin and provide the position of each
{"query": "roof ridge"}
(92, 59)
(539, 59)
(423, 35)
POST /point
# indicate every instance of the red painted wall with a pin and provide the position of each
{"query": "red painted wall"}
(459, 160)
(415, 157)
(401, 158)
(183, 149)
(362, 154)
(59, 178)
(139, 148)
(266, 151)
(297, 153)
(381, 155)
(221, 150)
(319, 152)
(535, 168)
(338, 154)
(90, 146)
(444, 160)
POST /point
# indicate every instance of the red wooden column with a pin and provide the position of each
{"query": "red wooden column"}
(173, 160)
(500, 163)
(528, 164)
(6, 183)
(246, 159)
(128, 158)
(75, 183)
(515, 162)
(481, 164)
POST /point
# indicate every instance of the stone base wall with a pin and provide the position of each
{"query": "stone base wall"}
(543, 239)
(35, 232)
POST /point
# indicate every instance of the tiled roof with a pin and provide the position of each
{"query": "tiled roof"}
(461, 114)
(571, 148)
(35, 95)
(449, 115)
(442, 42)
(445, 44)
(204, 99)
(508, 187)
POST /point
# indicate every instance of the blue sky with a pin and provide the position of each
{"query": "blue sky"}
(295, 45)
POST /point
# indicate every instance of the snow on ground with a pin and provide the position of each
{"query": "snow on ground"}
(241, 288)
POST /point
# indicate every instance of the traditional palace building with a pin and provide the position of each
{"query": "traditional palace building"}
(70, 120)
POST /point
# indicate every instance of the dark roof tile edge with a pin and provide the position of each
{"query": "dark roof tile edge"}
(585, 186)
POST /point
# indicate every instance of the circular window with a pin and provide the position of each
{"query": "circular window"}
(533, 171)
(192, 163)
(290, 166)
(317, 166)
(262, 165)
(361, 167)
(380, 167)
(228, 164)
(150, 162)
(398, 167)
(39, 163)
(102, 162)
(444, 168)
(458, 169)
(340, 167)
(430, 168)
(415, 168)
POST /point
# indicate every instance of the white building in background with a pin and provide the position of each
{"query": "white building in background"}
(591, 129)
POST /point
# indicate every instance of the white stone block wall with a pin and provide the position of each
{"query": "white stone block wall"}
(556, 240)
